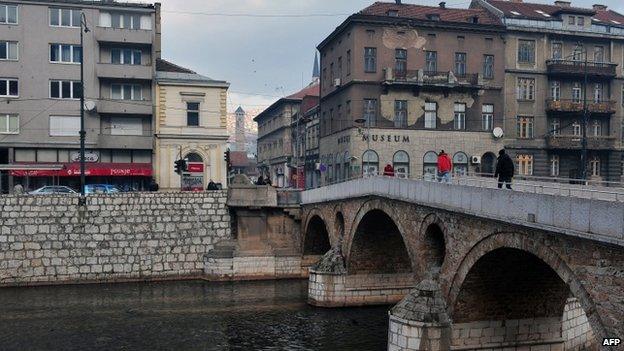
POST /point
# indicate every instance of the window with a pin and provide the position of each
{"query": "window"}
(460, 64)
(65, 17)
(331, 73)
(431, 114)
(526, 51)
(370, 112)
(65, 53)
(430, 165)
(576, 129)
(433, 17)
(64, 126)
(580, 21)
(571, 20)
(393, 13)
(488, 66)
(557, 51)
(555, 90)
(596, 128)
(125, 57)
(525, 164)
(598, 53)
(126, 126)
(524, 127)
(400, 114)
(554, 165)
(460, 164)
(594, 166)
(126, 92)
(9, 124)
(400, 64)
(431, 61)
(555, 126)
(8, 50)
(460, 116)
(65, 89)
(9, 87)
(340, 67)
(577, 54)
(8, 14)
(576, 92)
(370, 163)
(348, 62)
(597, 92)
(526, 88)
(487, 117)
(370, 60)
(400, 163)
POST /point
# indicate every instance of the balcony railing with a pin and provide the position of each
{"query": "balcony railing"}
(575, 106)
(573, 142)
(428, 78)
(577, 68)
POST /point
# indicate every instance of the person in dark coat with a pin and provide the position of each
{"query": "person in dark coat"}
(260, 181)
(504, 169)
(212, 186)
(153, 186)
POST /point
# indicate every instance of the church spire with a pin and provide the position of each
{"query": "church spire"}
(316, 71)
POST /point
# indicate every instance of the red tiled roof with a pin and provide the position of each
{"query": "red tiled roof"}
(422, 12)
(528, 10)
(311, 90)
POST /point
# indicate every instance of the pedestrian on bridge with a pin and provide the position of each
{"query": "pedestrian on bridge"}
(444, 167)
(389, 170)
(504, 170)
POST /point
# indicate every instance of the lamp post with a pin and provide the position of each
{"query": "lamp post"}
(83, 29)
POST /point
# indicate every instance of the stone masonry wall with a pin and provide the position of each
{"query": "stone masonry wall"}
(576, 330)
(51, 239)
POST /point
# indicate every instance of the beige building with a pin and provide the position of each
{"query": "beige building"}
(190, 124)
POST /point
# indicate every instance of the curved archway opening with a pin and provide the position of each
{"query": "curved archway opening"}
(378, 247)
(511, 297)
(434, 249)
(488, 164)
(339, 225)
(316, 238)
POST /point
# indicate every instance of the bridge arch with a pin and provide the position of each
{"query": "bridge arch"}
(510, 276)
(377, 243)
(316, 237)
(339, 226)
(431, 246)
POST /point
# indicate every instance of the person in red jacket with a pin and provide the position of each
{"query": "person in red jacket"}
(444, 167)
(389, 170)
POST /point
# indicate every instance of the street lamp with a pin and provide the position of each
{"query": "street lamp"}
(83, 29)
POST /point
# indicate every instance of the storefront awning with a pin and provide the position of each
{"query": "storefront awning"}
(73, 170)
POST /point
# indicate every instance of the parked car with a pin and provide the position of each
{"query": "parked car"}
(53, 189)
(101, 189)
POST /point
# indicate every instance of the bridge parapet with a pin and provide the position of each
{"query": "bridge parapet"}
(587, 218)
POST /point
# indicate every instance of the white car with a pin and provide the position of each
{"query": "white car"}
(53, 189)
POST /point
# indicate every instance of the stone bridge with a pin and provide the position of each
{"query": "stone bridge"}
(469, 267)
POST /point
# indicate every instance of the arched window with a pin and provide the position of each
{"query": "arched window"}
(400, 162)
(193, 157)
(460, 164)
(330, 168)
(347, 165)
(338, 167)
(370, 163)
(430, 165)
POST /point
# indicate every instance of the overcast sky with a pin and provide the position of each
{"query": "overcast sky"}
(264, 57)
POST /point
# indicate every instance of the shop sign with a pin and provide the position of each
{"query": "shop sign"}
(195, 167)
(90, 156)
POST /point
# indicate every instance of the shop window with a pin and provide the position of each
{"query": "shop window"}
(370, 163)
(400, 163)
(460, 164)
(430, 165)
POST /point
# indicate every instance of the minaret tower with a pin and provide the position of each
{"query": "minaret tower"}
(240, 130)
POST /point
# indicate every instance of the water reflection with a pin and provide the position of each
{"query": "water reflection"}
(191, 315)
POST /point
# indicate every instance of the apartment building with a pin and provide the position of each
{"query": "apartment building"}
(547, 46)
(40, 57)
(401, 82)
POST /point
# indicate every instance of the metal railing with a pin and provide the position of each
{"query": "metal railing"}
(571, 105)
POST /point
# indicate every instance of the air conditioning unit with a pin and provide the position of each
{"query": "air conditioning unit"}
(475, 160)
(317, 166)
(337, 82)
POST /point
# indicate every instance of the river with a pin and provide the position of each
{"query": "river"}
(183, 315)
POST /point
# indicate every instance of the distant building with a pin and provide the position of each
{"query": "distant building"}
(190, 124)
(241, 163)
(239, 134)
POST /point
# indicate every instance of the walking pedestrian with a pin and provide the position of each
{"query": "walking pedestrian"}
(504, 169)
(212, 186)
(389, 170)
(444, 167)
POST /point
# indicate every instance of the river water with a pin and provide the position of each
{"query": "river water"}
(186, 315)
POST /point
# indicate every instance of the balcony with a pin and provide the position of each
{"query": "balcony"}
(426, 79)
(123, 35)
(132, 107)
(140, 142)
(125, 72)
(575, 69)
(576, 107)
(573, 142)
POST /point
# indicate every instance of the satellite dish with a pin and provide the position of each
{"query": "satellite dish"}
(498, 132)
(89, 106)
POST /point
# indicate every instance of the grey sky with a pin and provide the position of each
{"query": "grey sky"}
(265, 57)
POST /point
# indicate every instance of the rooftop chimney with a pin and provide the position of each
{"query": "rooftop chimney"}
(398, 2)
(599, 7)
(517, 1)
(442, 5)
(561, 3)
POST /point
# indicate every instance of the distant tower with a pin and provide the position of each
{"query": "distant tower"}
(240, 129)
(316, 71)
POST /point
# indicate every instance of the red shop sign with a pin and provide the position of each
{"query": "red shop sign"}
(195, 167)
(91, 170)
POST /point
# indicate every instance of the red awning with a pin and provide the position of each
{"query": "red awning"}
(91, 170)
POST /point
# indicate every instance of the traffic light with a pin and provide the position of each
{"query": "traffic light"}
(180, 166)
(226, 156)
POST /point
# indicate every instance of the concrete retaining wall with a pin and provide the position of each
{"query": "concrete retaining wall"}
(51, 239)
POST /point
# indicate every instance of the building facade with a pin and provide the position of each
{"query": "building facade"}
(191, 124)
(401, 82)
(545, 87)
(40, 90)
